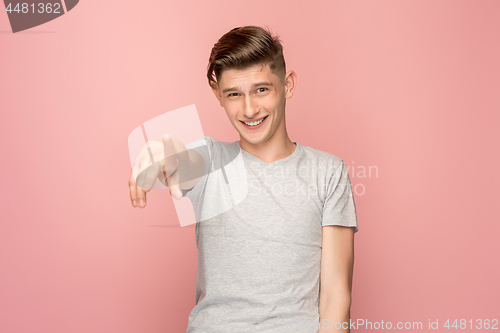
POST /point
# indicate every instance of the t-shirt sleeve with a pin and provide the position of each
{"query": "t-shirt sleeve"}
(202, 146)
(339, 207)
(212, 194)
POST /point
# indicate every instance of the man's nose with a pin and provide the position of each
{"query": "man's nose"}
(250, 108)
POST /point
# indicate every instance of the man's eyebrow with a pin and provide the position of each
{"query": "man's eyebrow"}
(263, 83)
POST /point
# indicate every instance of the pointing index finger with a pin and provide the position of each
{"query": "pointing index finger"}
(170, 160)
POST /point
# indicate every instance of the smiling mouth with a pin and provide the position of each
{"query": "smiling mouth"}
(254, 123)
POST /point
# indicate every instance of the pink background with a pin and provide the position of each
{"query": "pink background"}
(411, 87)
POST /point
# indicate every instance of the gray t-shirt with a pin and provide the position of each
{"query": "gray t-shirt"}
(259, 236)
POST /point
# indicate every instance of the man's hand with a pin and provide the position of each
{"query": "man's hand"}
(157, 160)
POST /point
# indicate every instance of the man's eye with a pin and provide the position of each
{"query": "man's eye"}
(262, 88)
(231, 94)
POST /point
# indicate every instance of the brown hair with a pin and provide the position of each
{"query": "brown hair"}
(243, 47)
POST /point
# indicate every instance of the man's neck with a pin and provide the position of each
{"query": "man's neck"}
(276, 148)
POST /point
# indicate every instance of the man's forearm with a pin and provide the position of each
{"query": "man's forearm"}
(335, 310)
(190, 168)
(192, 171)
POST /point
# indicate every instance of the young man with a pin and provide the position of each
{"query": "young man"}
(276, 243)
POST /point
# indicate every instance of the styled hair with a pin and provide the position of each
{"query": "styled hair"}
(243, 47)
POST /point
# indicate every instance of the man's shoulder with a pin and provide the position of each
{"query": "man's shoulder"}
(219, 152)
(213, 140)
(208, 140)
(322, 156)
(219, 145)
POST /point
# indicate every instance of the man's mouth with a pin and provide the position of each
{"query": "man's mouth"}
(254, 123)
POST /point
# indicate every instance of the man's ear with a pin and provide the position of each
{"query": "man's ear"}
(215, 90)
(290, 83)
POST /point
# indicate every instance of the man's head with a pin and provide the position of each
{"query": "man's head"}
(248, 76)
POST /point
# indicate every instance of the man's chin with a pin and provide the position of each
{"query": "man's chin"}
(253, 141)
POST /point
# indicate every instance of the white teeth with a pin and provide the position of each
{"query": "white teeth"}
(255, 123)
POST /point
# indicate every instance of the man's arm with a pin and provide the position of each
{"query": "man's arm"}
(337, 261)
(190, 169)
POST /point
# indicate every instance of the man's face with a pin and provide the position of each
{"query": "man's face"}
(253, 94)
